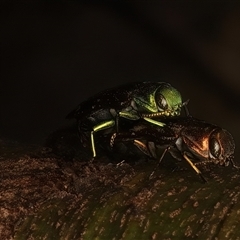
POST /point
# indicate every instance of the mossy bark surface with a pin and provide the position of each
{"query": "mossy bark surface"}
(47, 197)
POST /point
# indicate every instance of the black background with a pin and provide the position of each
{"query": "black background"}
(55, 54)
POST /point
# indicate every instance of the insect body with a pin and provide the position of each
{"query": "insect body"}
(187, 138)
(133, 101)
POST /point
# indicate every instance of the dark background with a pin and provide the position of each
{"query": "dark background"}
(56, 54)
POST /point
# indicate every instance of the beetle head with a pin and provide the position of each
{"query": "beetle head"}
(168, 99)
(221, 147)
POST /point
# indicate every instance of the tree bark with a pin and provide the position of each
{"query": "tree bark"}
(46, 197)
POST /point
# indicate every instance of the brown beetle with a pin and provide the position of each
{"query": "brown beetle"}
(188, 138)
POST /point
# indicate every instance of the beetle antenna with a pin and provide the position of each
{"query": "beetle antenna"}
(186, 108)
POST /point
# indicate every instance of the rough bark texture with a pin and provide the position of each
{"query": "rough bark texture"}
(46, 197)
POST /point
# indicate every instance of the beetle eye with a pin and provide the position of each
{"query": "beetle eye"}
(215, 148)
(161, 102)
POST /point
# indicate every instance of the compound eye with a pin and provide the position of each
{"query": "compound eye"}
(215, 148)
(161, 102)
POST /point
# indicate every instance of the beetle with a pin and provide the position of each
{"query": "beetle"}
(132, 101)
(186, 138)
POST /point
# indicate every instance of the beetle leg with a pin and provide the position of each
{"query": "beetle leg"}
(142, 147)
(194, 167)
(93, 145)
(97, 128)
(234, 165)
(130, 114)
(160, 160)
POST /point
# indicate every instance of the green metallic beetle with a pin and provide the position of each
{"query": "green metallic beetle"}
(132, 101)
